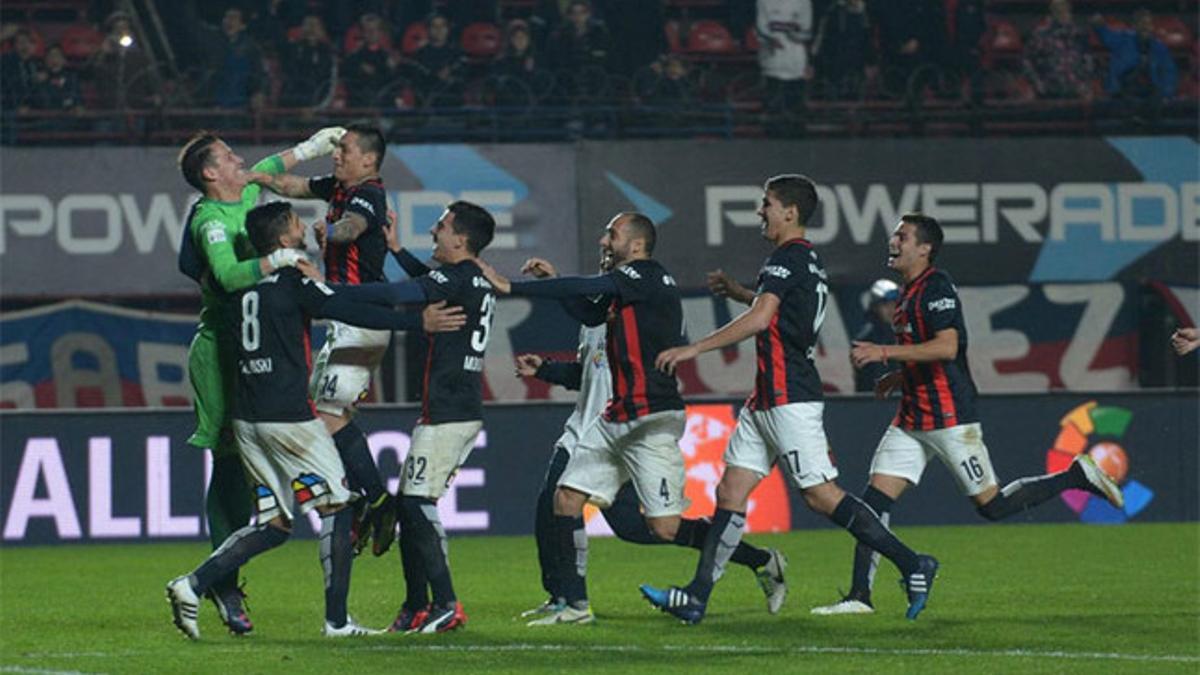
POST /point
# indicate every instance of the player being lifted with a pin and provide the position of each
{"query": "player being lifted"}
(216, 252)
(451, 407)
(352, 242)
(782, 420)
(589, 375)
(937, 416)
(286, 450)
(637, 437)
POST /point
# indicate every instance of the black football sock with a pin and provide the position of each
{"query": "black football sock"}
(416, 583)
(228, 506)
(723, 537)
(571, 551)
(430, 544)
(240, 547)
(361, 472)
(626, 520)
(336, 560)
(861, 521)
(543, 521)
(693, 531)
(1025, 493)
(866, 559)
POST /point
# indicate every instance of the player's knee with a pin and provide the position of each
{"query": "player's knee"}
(663, 529)
(568, 502)
(282, 525)
(992, 510)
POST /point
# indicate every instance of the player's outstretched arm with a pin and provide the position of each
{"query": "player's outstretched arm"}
(1185, 340)
(747, 324)
(723, 285)
(566, 374)
(271, 172)
(433, 318)
(384, 294)
(943, 347)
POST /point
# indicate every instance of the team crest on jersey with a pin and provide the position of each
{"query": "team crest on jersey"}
(439, 277)
(308, 487)
(214, 232)
(942, 304)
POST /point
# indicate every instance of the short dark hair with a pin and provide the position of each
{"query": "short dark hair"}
(929, 231)
(266, 224)
(641, 227)
(195, 156)
(475, 222)
(793, 189)
(370, 139)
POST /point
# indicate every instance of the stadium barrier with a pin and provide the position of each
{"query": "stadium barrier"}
(78, 476)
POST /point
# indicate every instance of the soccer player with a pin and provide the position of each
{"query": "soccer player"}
(215, 251)
(353, 243)
(451, 407)
(589, 375)
(286, 450)
(637, 437)
(937, 416)
(782, 420)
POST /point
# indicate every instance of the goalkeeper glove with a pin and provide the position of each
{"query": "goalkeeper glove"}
(285, 257)
(319, 144)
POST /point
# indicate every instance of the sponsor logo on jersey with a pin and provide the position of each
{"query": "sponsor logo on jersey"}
(777, 271)
(668, 280)
(214, 232)
(817, 270)
(439, 277)
(942, 304)
(480, 282)
(629, 272)
(363, 203)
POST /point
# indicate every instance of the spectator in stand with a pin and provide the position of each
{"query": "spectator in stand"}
(1057, 61)
(120, 70)
(1141, 73)
(466, 12)
(638, 26)
(19, 73)
(308, 66)
(784, 30)
(547, 16)
(580, 43)
(520, 59)
(239, 77)
(912, 35)
(441, 61)
(57, 86)
(371, 68)
(270, 21)
(966, 23)
(843, 51)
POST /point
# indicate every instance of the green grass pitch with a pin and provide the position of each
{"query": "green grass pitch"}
(1009, 598)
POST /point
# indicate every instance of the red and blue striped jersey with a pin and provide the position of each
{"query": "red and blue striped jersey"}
(785, 371)
(939, 394)
(359, 261)
(645, 318)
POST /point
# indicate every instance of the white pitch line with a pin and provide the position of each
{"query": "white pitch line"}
(39, 671)
(409, 646)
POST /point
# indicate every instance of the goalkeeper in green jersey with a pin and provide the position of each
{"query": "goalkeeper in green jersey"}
(216, 251)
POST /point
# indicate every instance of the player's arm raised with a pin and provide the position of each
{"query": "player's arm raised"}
(749, 323)
(407, 261)
(943, 347)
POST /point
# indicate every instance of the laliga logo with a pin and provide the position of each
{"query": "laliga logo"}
(1097, 431)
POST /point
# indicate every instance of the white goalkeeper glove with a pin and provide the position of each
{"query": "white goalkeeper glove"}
(285, 257)
(319, 144)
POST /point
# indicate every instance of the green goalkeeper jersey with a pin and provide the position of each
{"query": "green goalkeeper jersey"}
(217, 250)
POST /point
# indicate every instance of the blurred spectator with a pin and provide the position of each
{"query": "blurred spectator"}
(57, 86)
(120, 70)
(638, 26)
(308, 66)
(843, 50)
(19, 72)
(877, 328)
(912, 35)
(1056, 56)
(784, 30)
(238, 78)
(371, 68)
(671, 83)
(1139, 66)
(466, 12)
(580, 42)
(520, 59)
(547, 16)
(270, 21)
(966, 24)
(441, 62)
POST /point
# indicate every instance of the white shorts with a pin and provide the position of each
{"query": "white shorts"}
(645, 450)
(904, 453)
(793, 434)
(435, 455)
(337, 386)
(291, 463)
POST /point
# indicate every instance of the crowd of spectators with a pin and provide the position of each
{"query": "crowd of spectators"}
(394, 55)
